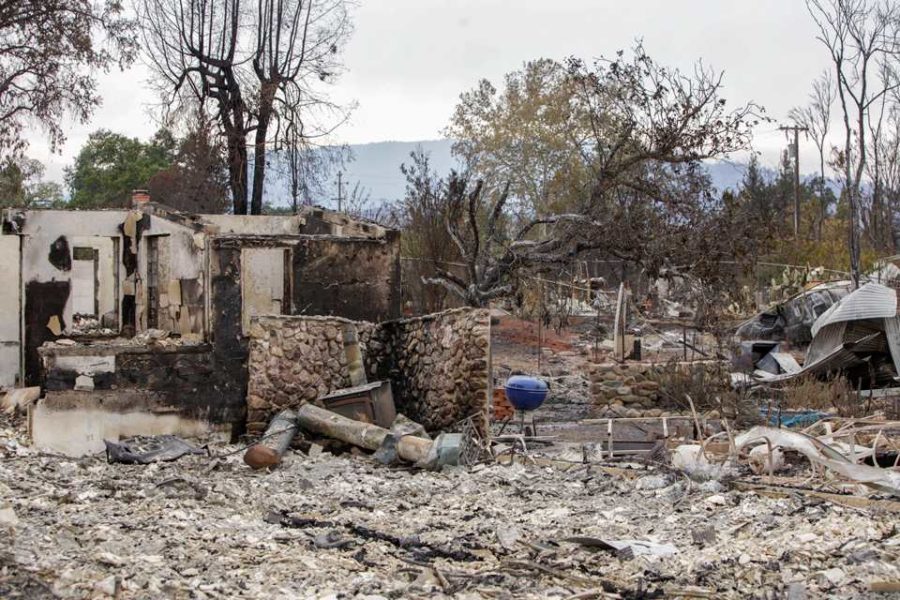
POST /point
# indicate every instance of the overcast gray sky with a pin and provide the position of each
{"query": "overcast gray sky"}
(408, 60)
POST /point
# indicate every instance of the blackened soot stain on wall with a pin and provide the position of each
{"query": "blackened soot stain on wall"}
(60, 256)
(43, 300)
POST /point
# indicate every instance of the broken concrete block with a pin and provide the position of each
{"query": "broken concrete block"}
(84, 383)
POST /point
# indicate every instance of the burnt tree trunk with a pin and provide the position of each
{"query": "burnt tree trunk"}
(266, 102)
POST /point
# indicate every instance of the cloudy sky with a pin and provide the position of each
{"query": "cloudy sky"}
(408, 60)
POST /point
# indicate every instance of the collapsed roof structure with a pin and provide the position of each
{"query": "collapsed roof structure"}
(858, 336)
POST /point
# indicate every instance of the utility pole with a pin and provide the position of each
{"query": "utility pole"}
(340, 189)
(796, 129)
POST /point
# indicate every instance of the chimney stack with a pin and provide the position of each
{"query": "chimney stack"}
(139, 198)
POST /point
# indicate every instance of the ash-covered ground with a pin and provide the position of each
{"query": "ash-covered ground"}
(345, 527)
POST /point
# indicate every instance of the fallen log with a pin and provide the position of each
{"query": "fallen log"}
(365, 435)
(278, 437)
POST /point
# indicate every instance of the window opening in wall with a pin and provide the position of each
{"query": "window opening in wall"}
(153, 282)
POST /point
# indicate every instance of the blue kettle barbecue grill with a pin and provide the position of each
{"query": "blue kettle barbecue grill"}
(526, 394)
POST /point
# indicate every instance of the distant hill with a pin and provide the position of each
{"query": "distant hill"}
(376, 167)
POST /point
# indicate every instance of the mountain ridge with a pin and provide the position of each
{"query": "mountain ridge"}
(375, 166)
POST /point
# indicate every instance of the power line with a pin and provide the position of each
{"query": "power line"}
(340, 197)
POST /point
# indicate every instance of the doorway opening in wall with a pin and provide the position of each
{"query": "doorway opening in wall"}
(85, 288)
(95, 287)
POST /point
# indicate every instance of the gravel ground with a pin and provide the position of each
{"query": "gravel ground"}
(343, 527)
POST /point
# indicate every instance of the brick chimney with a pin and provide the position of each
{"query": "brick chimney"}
(139, 198)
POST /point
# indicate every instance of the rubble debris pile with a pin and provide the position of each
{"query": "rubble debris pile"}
(792, 320)
(342, 526)
(858, 336)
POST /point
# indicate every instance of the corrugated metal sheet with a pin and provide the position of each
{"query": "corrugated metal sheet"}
(829, 337)
(841, 358)
(871, 301)
(787, 362)
(892, 332)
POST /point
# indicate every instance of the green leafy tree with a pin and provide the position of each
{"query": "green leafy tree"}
(22, 185)
(110, 165)
(50, 54)
(530, 134)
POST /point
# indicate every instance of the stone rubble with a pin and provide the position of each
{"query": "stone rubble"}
(632, 389)
(198, 528)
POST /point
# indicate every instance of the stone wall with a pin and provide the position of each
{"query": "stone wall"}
(632, 389)
(438, 365)
(294, 360)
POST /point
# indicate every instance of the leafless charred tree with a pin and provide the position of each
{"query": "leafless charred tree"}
(258, 63)
(878, 217)
(815, 117)
(651, 128)
(890, 173)
(487, 258)
(862, 39)
(193, 48)
(297, 44)
(50, 52)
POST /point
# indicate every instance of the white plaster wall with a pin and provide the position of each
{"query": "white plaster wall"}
(187, 256)
(262, 283)
(96, 229)
(80, 432)
(186, 249)
(43, 227)
(107, 269)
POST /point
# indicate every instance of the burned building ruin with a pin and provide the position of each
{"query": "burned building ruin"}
(145, 313)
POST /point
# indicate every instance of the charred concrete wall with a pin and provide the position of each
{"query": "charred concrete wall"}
(438, 365)
(183, 380)
(351, 278)
(354, 278)
(96, 264)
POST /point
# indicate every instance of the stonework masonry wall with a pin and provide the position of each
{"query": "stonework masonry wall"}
(294, 360)
(438, 364)
(633, 389)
